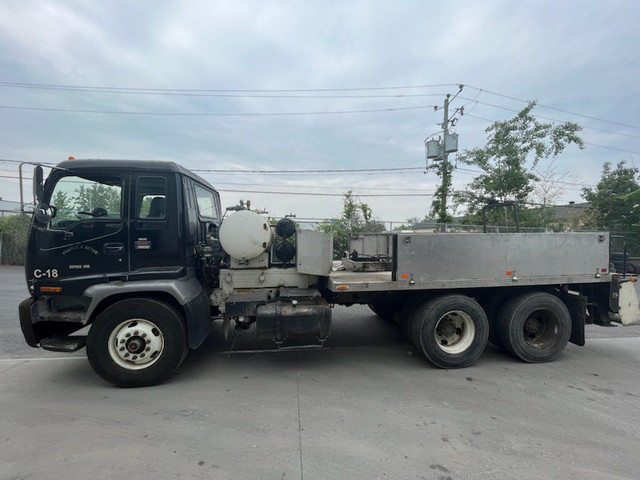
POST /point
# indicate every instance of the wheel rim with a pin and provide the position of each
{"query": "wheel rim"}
(136, 344)
(540, 329)
(455, 332)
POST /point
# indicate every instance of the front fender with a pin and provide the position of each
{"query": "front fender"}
(186, 291)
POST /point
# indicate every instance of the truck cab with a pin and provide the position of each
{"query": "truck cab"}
(110, 232)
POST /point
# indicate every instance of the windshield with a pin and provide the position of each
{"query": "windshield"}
(76, 198)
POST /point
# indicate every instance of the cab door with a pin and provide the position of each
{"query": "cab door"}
(156, 227)
(85, 241)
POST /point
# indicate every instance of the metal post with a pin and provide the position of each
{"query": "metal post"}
(445, 162)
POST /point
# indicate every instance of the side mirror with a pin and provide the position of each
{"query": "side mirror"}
(43, 214)
(38, 186)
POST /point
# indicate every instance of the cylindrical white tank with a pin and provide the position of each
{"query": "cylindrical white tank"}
(245, 235)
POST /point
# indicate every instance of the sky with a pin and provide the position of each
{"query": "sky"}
(244, 87)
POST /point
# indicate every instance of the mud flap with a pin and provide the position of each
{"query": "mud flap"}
(577, 305)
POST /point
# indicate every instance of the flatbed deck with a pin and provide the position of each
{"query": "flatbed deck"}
(346, 281)
(468, 260)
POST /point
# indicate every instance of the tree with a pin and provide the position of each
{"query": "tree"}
(357, 217)
(97, 195)
(615, 200)
(436, 203)
(513, 151)
(547, 191)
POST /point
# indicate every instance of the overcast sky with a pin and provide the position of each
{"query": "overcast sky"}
(194, 82)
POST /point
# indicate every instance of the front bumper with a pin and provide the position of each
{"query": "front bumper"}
(38, 322)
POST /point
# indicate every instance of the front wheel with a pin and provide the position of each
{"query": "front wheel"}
(451, 330)
(137, 342)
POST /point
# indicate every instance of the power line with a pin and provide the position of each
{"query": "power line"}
(549, 119)
(342, 187)
(319, 194)
(227, 95)
(217, 114)
(341, 170)
(598, 119)
(277, 93)
(560, 182)
(612, 148)
(366, 171)
(280, 90)
(586, 143)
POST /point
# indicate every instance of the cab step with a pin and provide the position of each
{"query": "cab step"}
(63, 344)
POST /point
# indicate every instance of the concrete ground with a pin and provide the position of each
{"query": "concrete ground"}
(365, 407)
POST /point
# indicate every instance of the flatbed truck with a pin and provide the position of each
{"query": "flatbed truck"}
(143, 254)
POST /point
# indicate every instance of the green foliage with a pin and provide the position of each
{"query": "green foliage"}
(357, 217)
(513, 150)
(145, 206)
(14, 231)
(97, 195)
(61, 201)
(438, 196)
(409, 223)
(614, 204)
(616, 198)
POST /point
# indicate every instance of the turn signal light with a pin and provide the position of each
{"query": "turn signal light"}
(50, 289)
(342, 287)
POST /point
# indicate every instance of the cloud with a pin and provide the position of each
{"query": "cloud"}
(576, 56)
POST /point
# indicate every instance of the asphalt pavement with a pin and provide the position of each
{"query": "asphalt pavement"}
(364, 407)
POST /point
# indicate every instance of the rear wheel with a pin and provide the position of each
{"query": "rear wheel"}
(534, 327)
(451, 331)
(385, 311)
(137, 342)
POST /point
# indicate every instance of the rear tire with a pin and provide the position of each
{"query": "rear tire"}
(451, 331)
(534, 327)
(385, 311)
(137, 342)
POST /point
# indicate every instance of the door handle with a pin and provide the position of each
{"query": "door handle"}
(113, 248)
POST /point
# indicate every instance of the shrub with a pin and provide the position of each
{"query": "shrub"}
(13, 232)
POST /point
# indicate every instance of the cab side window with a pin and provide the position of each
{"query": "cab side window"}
(151, 198)
(207, 203)
(76, 198)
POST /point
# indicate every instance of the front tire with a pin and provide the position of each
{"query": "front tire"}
(137, 342)
(451, 330)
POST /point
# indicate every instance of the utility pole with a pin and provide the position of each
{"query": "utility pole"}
(439, 150)
(445, 160)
